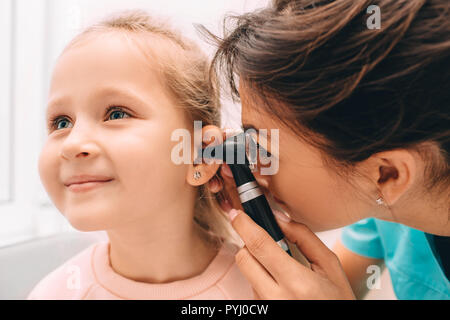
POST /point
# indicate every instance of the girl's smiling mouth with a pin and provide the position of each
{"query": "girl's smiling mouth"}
(82, 183)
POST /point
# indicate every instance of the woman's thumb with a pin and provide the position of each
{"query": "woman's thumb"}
(284, 222)
(281, 216)
(307, 242)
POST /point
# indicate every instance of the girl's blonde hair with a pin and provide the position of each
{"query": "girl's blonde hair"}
(185, 70)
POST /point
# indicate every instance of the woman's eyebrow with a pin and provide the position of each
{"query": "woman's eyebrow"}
(249, 126)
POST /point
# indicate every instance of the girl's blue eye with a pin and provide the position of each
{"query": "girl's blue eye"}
(117, 115)
(62, 123)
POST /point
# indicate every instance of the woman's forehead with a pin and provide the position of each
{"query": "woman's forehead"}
(256, 110)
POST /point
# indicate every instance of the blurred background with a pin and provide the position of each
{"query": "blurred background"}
(34, 237)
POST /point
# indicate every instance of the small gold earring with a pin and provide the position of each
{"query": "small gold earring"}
(197, 175)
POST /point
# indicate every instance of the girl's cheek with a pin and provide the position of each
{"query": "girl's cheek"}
(48, 167)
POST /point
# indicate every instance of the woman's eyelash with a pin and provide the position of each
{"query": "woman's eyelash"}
(54, 121)
(268, 154)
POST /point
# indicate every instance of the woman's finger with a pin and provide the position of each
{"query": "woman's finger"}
(309, 244)
(225, 190)
(255, 273)
(229, 189)
(256, 295)
(215, 185)
(265, 250)
(224, 203)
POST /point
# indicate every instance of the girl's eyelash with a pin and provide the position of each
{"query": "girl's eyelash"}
(116, 108)
(112, 109)
(259, 146)
(53, 122)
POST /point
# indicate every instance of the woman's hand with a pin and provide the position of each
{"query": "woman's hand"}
(274, 274)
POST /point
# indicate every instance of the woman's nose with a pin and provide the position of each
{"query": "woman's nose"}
(80, 143)
(263, 180)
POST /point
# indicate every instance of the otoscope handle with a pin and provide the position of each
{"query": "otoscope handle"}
(259, 210)
(255, 203)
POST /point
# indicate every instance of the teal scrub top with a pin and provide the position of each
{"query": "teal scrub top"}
(415, 272)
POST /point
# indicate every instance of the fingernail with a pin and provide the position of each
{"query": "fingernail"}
(232, 214)
(263, 182)
(227, 171)
(281, 216)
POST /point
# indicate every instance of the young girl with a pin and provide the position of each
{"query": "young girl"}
(118, 92)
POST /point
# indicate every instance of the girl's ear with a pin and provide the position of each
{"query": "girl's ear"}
(199, 174)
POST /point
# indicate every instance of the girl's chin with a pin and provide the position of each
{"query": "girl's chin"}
(86, 227)
(84, 223)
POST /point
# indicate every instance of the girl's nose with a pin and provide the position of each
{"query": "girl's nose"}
(80, 143)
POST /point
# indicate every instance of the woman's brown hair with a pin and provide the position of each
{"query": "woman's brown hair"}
(358, 91)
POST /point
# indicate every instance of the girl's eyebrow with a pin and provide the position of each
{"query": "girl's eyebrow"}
(103, 92)
(126, 93)
(54, 102)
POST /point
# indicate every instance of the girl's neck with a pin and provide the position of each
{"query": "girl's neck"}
(160, 256)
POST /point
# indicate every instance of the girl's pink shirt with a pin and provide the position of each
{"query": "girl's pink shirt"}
(89, 276)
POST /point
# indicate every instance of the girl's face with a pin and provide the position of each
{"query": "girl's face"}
(110, 121)
(303, 186)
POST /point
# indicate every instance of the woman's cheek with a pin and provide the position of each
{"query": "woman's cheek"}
(300, 193)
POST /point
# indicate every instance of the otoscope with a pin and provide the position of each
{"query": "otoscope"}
(234, 152)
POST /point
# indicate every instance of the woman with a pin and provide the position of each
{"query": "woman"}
(364, 124)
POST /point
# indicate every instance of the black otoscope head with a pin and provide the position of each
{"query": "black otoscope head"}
(233, 152)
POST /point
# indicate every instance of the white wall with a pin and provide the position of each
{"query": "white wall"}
(33, 33)
(24, 82)
(5, 96)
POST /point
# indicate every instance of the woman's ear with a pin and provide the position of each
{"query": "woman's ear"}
(394, 172)
(199, 174)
